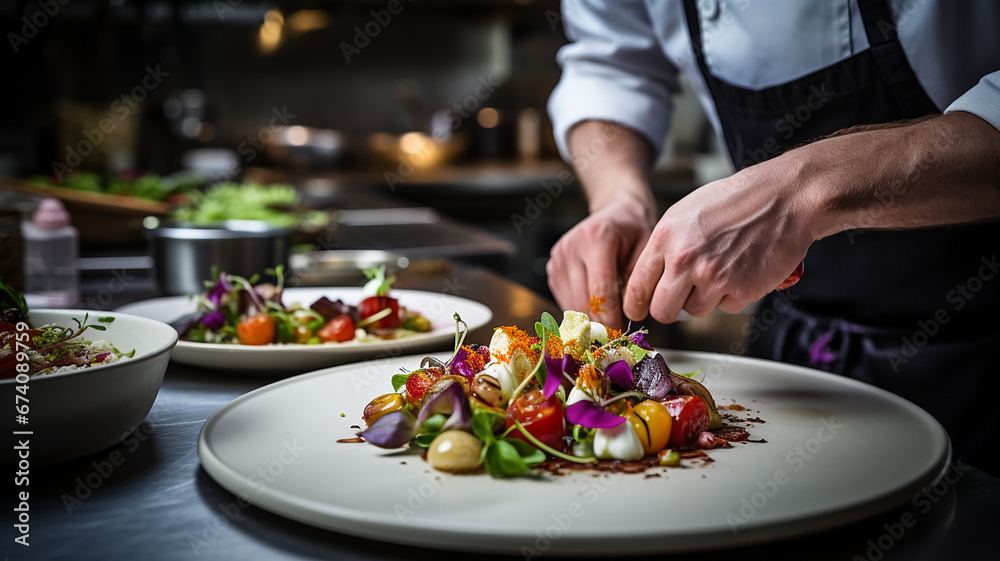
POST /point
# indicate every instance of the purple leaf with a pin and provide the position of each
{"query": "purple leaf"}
(620, 374)
(184, 324)
(449, 401)
(640, 341)
(587, 414)
(653, 377)
(553, 375)
(391, 430)
(213, 320)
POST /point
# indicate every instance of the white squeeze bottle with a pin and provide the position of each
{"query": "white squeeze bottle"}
(51, 245)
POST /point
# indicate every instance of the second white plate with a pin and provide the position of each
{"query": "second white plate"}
(438, 308)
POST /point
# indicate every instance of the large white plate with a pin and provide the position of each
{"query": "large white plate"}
(438, 308)
(837, 450)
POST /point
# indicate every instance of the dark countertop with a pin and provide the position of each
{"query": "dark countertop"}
(157, 502)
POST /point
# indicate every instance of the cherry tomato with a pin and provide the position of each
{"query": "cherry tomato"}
(690, 419)
(337, 330)
(256, 330)
(541, 417)
(375, 304)
(418, 382)
(652, 422)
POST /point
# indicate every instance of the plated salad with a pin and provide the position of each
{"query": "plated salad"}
(573, 394)
(48, 349)
(237, 310)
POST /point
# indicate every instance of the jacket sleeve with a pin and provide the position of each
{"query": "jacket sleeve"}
(982, 100)
(614, 69)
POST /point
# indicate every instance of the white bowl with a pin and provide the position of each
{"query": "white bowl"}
(75, 413)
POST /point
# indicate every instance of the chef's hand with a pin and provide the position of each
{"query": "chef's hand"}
(595, 257)
(725, 245)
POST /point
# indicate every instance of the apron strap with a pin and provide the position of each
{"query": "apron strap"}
(890, 59)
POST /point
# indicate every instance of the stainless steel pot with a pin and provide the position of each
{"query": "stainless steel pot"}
(184, 254)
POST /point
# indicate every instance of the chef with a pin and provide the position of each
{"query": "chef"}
(865, 135)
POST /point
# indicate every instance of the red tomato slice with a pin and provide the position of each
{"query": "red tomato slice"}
(337, 330)
(541, 417)
(375, 304)
(690, 415)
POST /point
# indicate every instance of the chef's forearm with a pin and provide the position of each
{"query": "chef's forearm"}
(611, 161)
(939, 171)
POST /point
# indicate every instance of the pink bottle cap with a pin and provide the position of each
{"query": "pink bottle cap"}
(51, 215)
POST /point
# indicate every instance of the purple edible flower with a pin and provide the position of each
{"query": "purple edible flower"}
(459, 366)
(570, 365)
(621, 375)
(213, 320)
(553, 375)
(587, 414)
(640, 341)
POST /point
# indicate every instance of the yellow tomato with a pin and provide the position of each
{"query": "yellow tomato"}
(652, 423)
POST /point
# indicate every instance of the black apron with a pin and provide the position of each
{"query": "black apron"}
(909, 311)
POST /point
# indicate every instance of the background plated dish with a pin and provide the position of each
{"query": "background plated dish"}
(837, 451)
(438, 308)
(79, 412)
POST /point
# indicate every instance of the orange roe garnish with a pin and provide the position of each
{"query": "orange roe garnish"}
(614, 334)
(473, 360)
(518, 340)
(554, 346)
(596, 305)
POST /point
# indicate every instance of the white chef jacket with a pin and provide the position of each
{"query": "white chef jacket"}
(626, 55)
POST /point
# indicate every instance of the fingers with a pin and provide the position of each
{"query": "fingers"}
(603, 282)
(645, 275)
(578, 270)
(567, 280)
(700, 302)
(731, 304)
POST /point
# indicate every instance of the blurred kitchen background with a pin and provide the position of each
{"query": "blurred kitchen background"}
(418, 127)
